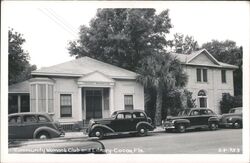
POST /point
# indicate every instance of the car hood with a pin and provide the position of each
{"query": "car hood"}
(231, 114)
(102, 119)
(57, 146)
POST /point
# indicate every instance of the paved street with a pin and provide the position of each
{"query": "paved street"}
(195, 142)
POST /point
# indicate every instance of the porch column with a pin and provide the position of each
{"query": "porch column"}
(111, 101)
(80, 103)
(19, 103)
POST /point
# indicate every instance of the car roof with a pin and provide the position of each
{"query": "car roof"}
(129, 111)
(28, 113)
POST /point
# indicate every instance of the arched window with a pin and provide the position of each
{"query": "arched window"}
(202, 99)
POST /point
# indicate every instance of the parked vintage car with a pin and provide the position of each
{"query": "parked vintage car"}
(121, 122)
(56, 146)
(192, 119)
(33, 125)
(232, 119)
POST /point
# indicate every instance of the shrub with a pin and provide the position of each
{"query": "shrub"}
(229, 102)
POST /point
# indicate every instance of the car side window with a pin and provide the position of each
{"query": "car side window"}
(127, 116)
(15, 120)
(210, 112)
(138, 115)
(29, 119)
(204, 112)
(120, 116)
(194, 112)
(42, 119)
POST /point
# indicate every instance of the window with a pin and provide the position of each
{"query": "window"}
(29, 119)
(204, 75)
(15, 119)
(198, 72)
(203, 102)
(50, 99)
(195, 112)
(201, 75)
(202, 99)
(127, 116)
(66, 105)
(106, 98)
(128, 102)
(120, 116)
(138, 115)
(223, 76)
(41, 98)
(33, 98)
(42, 119)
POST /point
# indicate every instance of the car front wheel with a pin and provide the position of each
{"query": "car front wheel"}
(142, 131)
(237, 125)
(181, 128)
(213, 126)
(43, 135)
(98, 132)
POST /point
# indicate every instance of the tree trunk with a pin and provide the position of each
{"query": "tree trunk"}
(158, 106)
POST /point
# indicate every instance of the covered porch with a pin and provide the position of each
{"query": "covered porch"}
(96, 93)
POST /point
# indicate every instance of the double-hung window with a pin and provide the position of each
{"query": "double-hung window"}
(201, 75)
(223, 76)
(128, 102)
(66, 105)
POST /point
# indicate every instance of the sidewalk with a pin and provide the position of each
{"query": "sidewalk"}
(80, 134)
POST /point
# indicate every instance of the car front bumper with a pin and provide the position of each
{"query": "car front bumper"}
(168, 125)
(226, 124)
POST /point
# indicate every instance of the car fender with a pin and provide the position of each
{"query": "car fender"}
(181, 121)
(236, 118)
(106, 128)
(213, 119)
(52, 132)
(146, 124)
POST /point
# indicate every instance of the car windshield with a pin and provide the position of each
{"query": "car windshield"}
(184, 112)
(236, 110)
(114, 115)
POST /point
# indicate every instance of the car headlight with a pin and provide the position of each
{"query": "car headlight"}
(230, 119)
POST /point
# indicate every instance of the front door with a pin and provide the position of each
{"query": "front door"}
(93, 104)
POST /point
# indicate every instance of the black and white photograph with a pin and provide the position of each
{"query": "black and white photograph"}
(127, 81)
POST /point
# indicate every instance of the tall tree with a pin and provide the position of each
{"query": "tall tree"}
(184, 44)
(227, 51)
(161, 72)
(19, 67)
(122, 37)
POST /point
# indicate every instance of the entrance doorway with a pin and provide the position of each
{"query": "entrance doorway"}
(93, 104)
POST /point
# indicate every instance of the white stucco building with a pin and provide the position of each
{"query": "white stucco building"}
(80, 89)
(85, 88)
(208, 78)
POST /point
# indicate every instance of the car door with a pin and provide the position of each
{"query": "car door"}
(122, 122)
(29, 126)
(15, 127)
(138, 117)
(194, 117)
(205, 115)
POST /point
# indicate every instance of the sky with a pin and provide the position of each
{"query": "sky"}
(49, 26)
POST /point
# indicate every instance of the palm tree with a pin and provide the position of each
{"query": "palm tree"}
(162, 72)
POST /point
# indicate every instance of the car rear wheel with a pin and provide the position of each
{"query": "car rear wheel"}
(181, 128)
(237, 125)
(98, 132)
(213, 126)
(43, 135)
(142, 131)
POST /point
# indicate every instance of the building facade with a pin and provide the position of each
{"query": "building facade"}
(79, 90)
(208, 79)
(85, 88)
